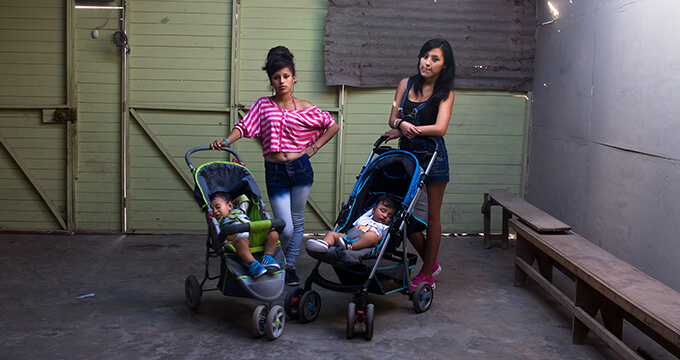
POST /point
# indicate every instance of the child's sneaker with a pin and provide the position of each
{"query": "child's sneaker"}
(421, 278)
(256, 269)
(344, 244)
(291, 277)
(436, 269)
(317, 245)
(269, 263)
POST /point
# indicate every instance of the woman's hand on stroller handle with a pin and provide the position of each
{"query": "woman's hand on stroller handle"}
(392, 134)
(218, 144)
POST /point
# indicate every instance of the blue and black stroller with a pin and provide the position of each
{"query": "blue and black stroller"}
(234, 178)
(385, 268)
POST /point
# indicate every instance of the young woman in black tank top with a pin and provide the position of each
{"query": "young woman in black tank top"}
(432, 85)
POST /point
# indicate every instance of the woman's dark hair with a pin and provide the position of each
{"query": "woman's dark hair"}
(278, 58)
(444, 83)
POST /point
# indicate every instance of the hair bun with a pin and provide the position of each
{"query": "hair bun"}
(278, 58)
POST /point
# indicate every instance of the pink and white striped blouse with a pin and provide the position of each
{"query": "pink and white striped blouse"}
(282, 130)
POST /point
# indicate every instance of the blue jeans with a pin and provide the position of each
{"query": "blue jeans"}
(288, 186)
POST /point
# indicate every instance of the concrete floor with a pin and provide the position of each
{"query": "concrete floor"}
(138, 310)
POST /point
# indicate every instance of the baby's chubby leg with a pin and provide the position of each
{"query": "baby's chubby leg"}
(242, 246)
(270, 242)
(331, 238)
(318, 245)
(367, 240)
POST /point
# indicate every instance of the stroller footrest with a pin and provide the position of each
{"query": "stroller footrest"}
(338, 257)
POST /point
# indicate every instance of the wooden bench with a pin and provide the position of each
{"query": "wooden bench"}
(514, 205)
(604, 284)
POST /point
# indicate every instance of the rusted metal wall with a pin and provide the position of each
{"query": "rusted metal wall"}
(375, 43)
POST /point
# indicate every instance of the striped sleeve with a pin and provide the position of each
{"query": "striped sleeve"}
(250, 124)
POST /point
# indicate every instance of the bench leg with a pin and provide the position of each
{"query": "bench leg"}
(545, 266)
(589, 300)
(486, 210)
(525, 251)
(612, 317)
(506, 233)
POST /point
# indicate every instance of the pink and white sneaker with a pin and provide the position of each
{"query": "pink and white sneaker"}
(421, 278)
(436, 269)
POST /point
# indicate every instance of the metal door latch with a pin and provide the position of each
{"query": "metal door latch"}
(60, 115)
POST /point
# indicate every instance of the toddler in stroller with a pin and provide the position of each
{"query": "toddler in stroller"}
(228, 214)
(216, 183)
(367, 230)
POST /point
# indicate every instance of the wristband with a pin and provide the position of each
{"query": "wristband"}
(400, 122)
(227, 140)
(314, 148)
(395, 124)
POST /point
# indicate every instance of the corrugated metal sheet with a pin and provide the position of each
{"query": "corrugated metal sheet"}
(375, 43)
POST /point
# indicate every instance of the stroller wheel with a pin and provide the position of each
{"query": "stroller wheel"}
(310, 305)
(422, 297)
(370, 312)
(276, 320)
(192, 292)
(259, 321)
(292, 303)
(351, 319)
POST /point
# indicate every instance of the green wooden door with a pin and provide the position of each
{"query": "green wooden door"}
(35, 145)
(179, 85)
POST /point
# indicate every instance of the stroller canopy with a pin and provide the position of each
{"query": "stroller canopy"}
(395, 172)
(229, 177)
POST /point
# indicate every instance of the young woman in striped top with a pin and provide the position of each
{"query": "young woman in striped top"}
(291, 131)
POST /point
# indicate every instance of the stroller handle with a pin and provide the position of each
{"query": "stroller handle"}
(276, 224)
(203, 148)
(383, 140)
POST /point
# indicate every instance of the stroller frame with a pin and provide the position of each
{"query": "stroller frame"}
(267, 319)
(305, 303)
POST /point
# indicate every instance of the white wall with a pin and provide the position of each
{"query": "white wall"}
(604, 136)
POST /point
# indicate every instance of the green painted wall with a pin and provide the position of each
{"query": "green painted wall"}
(180, 73)
(33, 56)
(192, 74)
(98, 79)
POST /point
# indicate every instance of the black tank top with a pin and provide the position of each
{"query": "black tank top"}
(426, 115)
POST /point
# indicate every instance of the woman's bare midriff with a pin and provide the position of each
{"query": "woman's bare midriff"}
(283, 156)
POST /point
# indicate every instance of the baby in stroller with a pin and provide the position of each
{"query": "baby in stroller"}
(227, 214)
(366, 231)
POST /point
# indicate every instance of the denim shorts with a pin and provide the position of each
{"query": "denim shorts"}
(282, 176)
(440, 168)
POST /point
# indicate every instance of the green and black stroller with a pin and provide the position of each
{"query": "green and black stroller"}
(235, 179)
